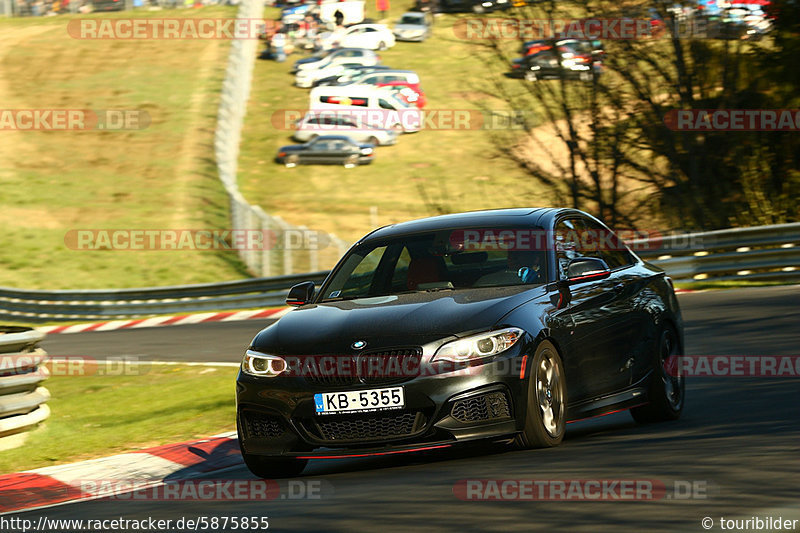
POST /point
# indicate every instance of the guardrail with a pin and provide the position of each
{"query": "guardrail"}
(755, 254)
(51, 306)
(760, 253)
(22, 398)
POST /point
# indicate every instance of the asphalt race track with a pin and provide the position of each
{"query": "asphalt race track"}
(737, 444)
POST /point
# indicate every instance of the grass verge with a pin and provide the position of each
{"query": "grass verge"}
(99, 415)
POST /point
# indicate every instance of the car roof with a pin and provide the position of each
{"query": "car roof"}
(394, 70)
(338, 50)
(333, 138)
(534, 216)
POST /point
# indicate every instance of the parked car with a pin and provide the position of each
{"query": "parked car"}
(406, 94)
(392, 78)
(317, 123)
(339, 56)
(327, 150)
(594, 47)
(308, 77)
(376, 106)
(549, 64)
(348, 75)
(370, 36)
(412, 26)
(434, 333)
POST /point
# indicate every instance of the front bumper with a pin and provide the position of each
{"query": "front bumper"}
(276, 416)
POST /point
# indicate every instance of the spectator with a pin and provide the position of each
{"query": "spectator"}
(338, 18)
(278, 43)
(383, 7)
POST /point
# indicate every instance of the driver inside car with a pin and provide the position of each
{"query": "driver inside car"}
(522, 267)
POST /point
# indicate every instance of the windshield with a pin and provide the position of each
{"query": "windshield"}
(410, 19)
(432, 262)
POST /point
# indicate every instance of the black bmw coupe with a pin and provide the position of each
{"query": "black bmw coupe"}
(499, 325)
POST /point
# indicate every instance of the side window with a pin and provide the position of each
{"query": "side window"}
(400, 274)
(384, 104)
(567, 243)
(361, 278)
(608, 246)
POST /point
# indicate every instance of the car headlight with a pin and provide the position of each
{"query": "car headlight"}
(478, 346)
(260, 364)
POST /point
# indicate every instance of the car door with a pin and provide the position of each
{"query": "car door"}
(626, 327)
(354, 38)
(370, 38)
(317, 152)
(589, 354)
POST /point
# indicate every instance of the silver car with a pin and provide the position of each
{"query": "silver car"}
(332, 122)
(412, 27)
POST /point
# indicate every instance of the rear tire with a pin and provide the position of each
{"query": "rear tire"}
(274, 467)
(666, 393)
(373, 140)
(545, 416)
(381, 46)
(530, 76)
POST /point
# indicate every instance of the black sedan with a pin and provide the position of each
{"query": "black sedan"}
(327, 150)
(549, 64)
(499, 325)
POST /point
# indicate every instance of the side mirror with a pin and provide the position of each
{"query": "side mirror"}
(583, 269)
(301, 294)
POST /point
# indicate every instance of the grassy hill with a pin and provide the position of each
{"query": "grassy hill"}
(163, 176)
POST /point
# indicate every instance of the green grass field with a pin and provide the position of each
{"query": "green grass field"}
(159, 177)
(95, 415)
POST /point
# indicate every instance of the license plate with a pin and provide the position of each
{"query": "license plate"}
(359, 401)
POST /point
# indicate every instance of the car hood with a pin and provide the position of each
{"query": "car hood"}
(390, 321)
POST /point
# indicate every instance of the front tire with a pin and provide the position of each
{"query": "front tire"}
(291, 161)
(351, 161)
(273, 467)
(545, 417)
(666, 392)
(530, 76)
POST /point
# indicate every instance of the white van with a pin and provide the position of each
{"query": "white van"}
(376, 106)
